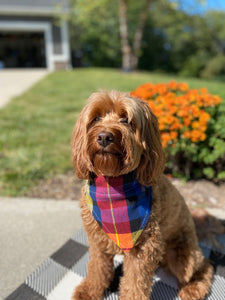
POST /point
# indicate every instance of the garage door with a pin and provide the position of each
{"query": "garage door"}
(22, 50)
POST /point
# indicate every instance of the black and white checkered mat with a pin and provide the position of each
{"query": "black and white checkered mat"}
(56, 278)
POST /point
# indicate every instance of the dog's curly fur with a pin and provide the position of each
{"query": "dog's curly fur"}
(169, 238)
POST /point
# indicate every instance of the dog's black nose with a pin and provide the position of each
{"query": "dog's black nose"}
(105, 138)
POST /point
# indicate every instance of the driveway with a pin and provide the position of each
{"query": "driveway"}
(14, 82)
(31, 230)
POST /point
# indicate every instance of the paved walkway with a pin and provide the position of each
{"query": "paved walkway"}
(31, 230)
(14, 82)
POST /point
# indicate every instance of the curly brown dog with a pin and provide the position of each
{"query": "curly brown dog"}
(117, 135)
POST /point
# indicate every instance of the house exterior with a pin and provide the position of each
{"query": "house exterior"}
(30, 37)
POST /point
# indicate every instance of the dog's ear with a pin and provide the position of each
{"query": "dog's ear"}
(80, 160)
(152, 161)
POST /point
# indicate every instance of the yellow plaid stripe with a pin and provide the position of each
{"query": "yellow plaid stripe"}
(135, 235)
(88, 197)
(111, 208)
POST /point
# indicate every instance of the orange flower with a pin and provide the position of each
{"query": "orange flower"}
(187, 121)
(204, 91)
(176, 125)
(202, 137)
(187, 134)
(196, 135)
(183, 87)
(195, 124)
(204, 117)
(180, 110)
(173, 135)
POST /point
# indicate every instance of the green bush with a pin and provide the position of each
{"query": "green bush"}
(215, 67)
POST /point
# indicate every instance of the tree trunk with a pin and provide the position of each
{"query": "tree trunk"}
(130, 55)
(139, 35)
(125, 47)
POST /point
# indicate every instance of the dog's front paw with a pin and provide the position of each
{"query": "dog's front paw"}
(80, 294)
(85, 292)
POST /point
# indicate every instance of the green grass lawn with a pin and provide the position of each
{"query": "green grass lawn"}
(36, 128)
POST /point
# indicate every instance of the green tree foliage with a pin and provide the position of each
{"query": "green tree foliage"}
(192, 45)
(95, 32)
(174, 39)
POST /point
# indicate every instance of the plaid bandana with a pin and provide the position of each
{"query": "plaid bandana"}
(121, 206)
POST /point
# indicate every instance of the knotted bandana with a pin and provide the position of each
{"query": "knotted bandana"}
(121, 206)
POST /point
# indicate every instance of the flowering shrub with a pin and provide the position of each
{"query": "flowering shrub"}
(186, 123)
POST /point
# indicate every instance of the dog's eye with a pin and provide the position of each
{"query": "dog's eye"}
(124, 120)
(133, 126)
(96, 119)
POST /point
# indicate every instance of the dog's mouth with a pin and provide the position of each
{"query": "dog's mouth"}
(107, 162)
(109, 152)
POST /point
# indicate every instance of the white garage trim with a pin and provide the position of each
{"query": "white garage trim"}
(65, 42)
(30, 26)
(65, 56)
(31, 11)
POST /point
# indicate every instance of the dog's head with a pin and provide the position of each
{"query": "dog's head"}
(116, 134)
